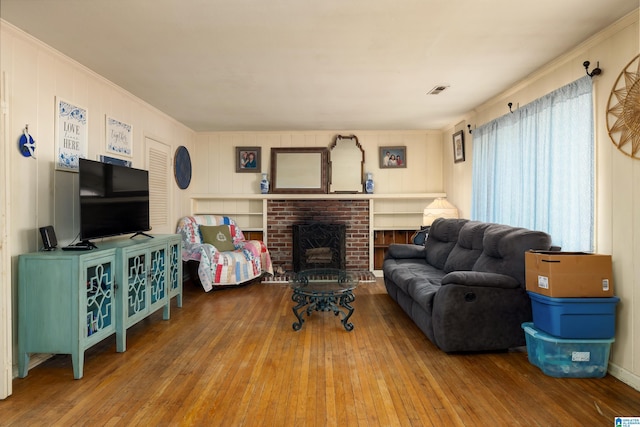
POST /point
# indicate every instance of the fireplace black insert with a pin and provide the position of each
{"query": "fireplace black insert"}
(319, 245)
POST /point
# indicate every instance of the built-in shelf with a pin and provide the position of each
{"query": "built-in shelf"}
(398, 214)
(381, 241)
(338, 196)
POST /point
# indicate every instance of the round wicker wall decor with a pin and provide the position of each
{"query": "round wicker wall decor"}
(623, 114)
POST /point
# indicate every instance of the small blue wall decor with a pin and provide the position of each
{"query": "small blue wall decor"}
(27, 144)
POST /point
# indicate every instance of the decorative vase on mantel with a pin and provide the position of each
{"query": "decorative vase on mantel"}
(368, 184)
(264, 184)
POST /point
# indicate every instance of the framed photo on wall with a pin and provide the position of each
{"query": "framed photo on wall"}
(458, 147)
(393, 157)
(248, 159)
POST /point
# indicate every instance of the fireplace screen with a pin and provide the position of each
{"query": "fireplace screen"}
(319, 245)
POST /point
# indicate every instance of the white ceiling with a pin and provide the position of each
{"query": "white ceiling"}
(313, 65)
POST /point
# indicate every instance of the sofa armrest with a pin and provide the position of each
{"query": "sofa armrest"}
(478, 278)
(479, 318)
(404, 251)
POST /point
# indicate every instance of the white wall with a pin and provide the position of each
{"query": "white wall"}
(35, 75)
(617, 175)
(214, 159)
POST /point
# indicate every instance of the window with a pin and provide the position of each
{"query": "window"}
(535, 168)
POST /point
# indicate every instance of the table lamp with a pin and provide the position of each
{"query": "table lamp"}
(439, 208)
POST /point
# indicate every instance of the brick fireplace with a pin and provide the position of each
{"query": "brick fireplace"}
(283, 214)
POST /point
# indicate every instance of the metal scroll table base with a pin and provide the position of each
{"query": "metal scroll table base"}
(340, 304)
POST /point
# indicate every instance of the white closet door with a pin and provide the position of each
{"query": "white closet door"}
(158, 163)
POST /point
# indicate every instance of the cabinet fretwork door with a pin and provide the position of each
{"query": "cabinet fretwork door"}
(100, 298)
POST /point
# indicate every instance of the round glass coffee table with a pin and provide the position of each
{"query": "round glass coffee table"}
(323, 290)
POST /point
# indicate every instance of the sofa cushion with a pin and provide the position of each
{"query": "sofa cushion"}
(504, 248)
(218, 236)
(415, 278)
(236, 232)
(443, 236)
(468, 247)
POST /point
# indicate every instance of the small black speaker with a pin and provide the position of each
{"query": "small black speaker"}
(49, 239)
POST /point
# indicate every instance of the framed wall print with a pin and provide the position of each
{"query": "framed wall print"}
(458, 147)
(70, 135)
(248, 159)
(393, 157)
(119, 137)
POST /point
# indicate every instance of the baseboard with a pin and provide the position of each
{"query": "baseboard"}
(625, 376)
(34, 360)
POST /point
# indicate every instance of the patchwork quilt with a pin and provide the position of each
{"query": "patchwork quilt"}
(249, 260)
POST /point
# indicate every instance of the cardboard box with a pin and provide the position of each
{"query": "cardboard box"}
(569, 274)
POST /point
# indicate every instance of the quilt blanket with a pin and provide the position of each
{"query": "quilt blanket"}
(249, 260)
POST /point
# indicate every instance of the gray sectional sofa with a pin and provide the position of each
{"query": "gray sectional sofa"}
(465, 288)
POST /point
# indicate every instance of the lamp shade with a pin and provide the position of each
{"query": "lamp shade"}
(439, 208)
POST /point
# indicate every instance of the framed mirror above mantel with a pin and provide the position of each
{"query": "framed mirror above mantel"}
(312, 170)
(299, 170)
(346, 170)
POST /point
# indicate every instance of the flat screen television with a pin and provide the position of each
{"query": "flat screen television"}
(114, 200)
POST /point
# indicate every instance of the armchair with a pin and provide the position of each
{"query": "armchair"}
(248, 260)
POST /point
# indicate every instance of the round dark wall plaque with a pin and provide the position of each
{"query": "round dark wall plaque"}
(182, 167)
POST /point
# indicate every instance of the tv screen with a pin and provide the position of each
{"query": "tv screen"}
(114, 200)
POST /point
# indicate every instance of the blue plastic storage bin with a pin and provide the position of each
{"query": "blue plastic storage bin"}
(567, 358)
(575, 318)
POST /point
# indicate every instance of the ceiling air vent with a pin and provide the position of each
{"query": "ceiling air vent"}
(437, 89)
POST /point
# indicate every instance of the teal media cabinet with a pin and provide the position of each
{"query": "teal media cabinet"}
(70, 300)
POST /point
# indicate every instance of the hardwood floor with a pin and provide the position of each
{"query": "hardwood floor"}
(231, 358)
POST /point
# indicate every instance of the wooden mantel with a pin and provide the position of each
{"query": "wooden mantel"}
(375, 212)
(328, 196)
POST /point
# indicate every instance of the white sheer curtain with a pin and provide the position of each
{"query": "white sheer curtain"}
(535, 168)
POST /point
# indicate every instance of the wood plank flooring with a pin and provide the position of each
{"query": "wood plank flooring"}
(231, 358)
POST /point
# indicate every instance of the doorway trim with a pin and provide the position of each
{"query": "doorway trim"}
(6, 337)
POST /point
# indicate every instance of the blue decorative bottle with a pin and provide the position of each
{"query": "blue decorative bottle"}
(264, 184)
(368, 184)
